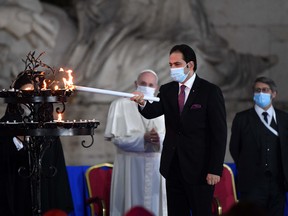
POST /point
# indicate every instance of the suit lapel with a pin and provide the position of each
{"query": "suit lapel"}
(192, 95)
(254, 121)
(173, 95)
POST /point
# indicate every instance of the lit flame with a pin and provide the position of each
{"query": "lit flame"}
(68, 83)
(44, 85)
(59, 117)
(28, 88)
(56, 87)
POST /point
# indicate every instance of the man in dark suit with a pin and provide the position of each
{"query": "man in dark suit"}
(196, 132)
(259, 147)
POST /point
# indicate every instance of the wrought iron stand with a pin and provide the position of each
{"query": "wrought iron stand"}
(39, 133)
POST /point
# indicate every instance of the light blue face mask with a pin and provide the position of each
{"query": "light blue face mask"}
(262, 99)
(178, 74)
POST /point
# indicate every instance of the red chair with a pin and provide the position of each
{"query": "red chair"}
(55, 212)
(138, 211)
(98, 179)
(225, 192)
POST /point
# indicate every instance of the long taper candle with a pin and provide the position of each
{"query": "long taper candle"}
(110, 92)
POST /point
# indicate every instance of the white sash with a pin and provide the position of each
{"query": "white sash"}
(268, 126)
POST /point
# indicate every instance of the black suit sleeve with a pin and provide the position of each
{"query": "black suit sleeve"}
(152, 110)
(218, 130)
(235, 140)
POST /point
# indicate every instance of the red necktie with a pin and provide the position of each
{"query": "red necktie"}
(181, 98)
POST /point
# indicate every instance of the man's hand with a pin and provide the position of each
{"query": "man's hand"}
(152, 137)
(212, 179)
(138, 98)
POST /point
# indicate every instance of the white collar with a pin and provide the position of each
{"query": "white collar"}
(270, 111)
(189, 82)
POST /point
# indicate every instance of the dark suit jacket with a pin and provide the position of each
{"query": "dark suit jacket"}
(245, 146)
(198, 136)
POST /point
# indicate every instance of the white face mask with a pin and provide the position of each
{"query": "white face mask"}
(147, 91)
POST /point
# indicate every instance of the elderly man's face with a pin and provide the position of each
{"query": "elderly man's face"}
(147, 79)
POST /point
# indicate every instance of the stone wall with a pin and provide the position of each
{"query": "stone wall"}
(235, 41)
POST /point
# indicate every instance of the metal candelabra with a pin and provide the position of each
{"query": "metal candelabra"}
(37, 130)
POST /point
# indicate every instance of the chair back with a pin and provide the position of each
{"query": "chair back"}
(55, 212)
(98, 179)
(225, 191)
(138, 211)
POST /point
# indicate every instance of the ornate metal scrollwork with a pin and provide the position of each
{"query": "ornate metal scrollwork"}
(87, 146)
(61, 110)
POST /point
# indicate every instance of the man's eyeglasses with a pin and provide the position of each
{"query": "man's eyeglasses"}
(264, 90)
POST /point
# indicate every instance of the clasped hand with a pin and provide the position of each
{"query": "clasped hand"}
(152, 137)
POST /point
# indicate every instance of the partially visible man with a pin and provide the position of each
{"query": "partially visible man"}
(196, 133)
(259, 147)
(15, 185)
(136, 180)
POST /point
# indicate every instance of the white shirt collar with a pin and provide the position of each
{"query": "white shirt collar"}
(270, 111)
(189, 82)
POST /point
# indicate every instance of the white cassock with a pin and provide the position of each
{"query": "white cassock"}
(136, 179)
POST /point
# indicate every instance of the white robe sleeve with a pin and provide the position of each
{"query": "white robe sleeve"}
(126, 127)
(134, 143)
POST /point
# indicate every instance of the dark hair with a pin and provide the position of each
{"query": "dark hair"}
(22, 79)
(15, 111)
(187, 52)
(267, 81)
